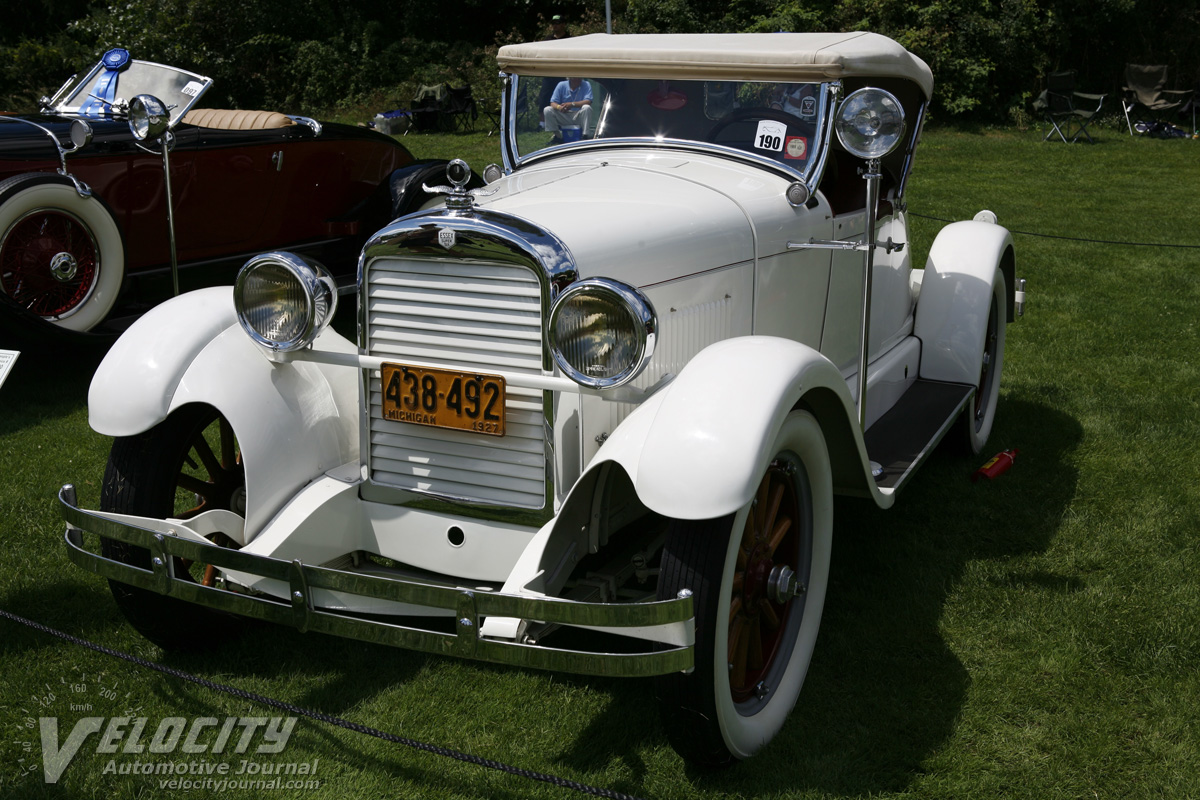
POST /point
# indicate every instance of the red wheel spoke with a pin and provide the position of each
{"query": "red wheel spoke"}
(769, 617)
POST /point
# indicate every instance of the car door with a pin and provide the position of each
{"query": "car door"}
(227, 193)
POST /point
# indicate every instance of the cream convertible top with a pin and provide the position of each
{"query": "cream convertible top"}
(790, 57)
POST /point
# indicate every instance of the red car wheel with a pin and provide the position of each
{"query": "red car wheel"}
(61, 256)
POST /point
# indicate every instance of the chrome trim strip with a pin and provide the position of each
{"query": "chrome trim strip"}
(641, 312)
(483, 234)
(309, 121)
(671, 620)
(811, 176)
(913, 141)
(82, 188)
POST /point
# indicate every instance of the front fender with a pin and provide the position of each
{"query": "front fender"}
(956, 294)
(697, 449)
(294, 421)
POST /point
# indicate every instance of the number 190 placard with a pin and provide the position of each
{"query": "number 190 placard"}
(770, 135)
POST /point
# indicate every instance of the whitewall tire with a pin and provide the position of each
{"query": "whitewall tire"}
(61, 254)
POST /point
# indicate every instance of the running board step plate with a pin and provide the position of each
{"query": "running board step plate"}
(901, 439)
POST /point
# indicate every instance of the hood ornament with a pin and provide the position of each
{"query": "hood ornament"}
(458, 196)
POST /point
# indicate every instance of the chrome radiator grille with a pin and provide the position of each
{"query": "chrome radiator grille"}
(467, 316)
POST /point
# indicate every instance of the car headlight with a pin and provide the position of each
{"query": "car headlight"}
(602, 333)
(870, 123)
(284, 301)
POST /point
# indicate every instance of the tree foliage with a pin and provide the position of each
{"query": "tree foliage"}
(989, 57)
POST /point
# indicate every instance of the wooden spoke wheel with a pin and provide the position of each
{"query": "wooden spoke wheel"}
(186, 465)
(758, 580)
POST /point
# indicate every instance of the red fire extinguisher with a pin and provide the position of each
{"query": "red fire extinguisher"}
(996, 466)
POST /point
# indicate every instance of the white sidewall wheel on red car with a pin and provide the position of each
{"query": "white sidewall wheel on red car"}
(754, 638)
(980, 414)
(61, 254)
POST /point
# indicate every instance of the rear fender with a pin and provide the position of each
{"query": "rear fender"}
(294, 421)
(956, 295)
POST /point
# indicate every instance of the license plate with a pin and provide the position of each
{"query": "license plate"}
(444, 399)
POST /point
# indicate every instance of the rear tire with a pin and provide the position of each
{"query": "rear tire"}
(753, 641)
(61, 255)
(187, 464)
(978, 418)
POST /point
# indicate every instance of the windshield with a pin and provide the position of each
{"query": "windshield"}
(106, 89)
(777, 121)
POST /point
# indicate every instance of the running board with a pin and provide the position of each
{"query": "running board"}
(903, 438)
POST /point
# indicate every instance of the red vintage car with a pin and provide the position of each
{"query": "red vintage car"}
(123, 182)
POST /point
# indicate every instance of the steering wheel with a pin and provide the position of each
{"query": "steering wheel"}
(750, 114)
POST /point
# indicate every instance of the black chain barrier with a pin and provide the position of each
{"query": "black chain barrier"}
(1075, 238)
(326, 718)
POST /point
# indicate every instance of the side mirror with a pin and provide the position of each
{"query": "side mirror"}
(81, 134)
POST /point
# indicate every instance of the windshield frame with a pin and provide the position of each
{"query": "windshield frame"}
(70, 99)
(809, 173)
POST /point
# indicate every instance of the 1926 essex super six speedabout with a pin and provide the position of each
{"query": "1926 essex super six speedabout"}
(93, 212)
(615, 390)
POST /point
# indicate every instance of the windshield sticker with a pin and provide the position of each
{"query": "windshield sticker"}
(770, 135)
(797, 147)
(192, 89)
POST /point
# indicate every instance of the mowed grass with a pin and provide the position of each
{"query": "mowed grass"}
(1036, 636)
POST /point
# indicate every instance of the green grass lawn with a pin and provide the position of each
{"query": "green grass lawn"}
(1032, 637)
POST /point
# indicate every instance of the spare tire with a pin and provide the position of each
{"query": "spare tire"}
(61, 253)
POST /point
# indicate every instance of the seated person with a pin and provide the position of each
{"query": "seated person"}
(570, 105)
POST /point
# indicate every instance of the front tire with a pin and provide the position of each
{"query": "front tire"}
(186, 465)
(754, 638)
(61, 255)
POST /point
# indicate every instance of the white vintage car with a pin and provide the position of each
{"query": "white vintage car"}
(615, 389)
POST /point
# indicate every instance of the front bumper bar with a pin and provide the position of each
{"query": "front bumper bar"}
(469, 606)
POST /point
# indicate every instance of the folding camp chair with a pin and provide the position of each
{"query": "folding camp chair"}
(427, 107)
(459, 112)
(1064, 107)
(1147, 100)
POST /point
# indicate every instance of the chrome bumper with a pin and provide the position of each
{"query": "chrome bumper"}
(468, 606)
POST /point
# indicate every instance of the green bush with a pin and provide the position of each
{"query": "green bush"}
(989, 57)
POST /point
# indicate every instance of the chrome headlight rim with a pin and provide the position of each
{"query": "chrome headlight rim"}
(642, 317)
(870, 97)
(149, 118)
(319, 293)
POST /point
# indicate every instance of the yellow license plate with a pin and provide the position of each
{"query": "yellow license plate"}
(443, 398)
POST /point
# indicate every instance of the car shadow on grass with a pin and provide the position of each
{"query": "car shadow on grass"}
(884, 689)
